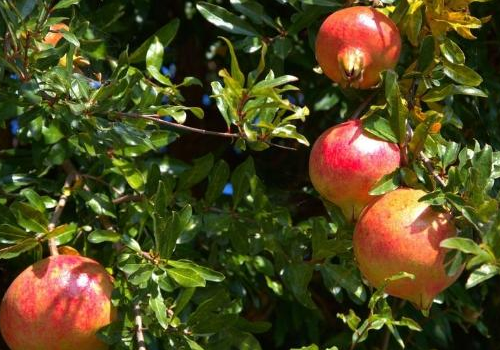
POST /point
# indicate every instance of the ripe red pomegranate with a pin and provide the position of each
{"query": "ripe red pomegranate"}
(345, 164)
(57, 303)
(398, 233)
(354, 45)
(53, 36)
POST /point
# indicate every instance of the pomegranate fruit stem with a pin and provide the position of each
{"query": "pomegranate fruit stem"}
(58, 211)
(358, 112)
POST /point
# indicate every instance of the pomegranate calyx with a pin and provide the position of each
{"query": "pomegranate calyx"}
(351, 63)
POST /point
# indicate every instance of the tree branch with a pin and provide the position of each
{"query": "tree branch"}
(138, 327)
(128, 198)
(157, 119)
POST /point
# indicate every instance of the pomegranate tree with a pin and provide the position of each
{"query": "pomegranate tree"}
(345, 163)
(354, 45)
(57, 303)
(397, 233)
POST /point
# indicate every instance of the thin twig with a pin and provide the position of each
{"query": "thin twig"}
(157, 119)
(128, 198)
(428, 164)
(356, 114)
(138, 327)
(58, 211)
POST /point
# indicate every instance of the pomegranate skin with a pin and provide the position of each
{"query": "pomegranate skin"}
(398, 233)
(58, 303)
(53, 38)
(354, 45)
(345, 164)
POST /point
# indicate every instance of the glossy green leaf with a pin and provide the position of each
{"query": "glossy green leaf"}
(235, 67)
(426, 57)
(481, 274)
(29, 217)
(397, 111)
(199, 171)
(462, 74)
(465, 245)
(386, 184)
(240, 179)
(452, 52)
(205, 272)
(186, 277)
(379, 127)
(10, 234)
(254, 11)
(64, 4)
(216, 181)
(223, 19)
(19, 248)
(154, 55)
(165, 35)
(99, 236)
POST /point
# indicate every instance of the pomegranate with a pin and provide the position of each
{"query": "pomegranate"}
(345, 164)
(398, 233)
(54, 35)
(354, 45)
(57, 303)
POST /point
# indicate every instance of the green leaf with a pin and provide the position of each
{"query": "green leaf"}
(465, 245)
(99, 203)
(71, 38)
(397, 111)
(64, 4)
(263, 85)
(345, 277)
(222, 106)
(452, 52)
(216, 181)
(416, 144)
(10, 234)
(254, 11)
(199, 171)
(21, 247)
(438, 93)
(205, 272)
(235, 67)
(379, 127)
(386, 184)
(222, 18)
(186, 277)
(157, 304)
(34, 198)
(165, 35)
(468, 90)
(240, 179)
(352, 320)
(133, 176)
(297, 277)
(29, 217)
(462, 74)
(99, 236)
(183, 299)
(482, 274)
(62, 233)
(154, 55)
(426, 56)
